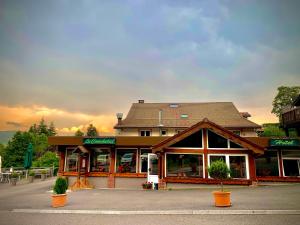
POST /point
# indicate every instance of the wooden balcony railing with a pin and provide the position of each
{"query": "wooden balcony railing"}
(291, 117)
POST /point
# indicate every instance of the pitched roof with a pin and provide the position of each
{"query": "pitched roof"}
(205, 123)
(147, 115)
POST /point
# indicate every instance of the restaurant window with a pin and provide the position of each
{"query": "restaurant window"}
(144, 160)
(291, 162)
(71, 161)
(184, 165)
(267, 165)
(291, 167)
(216, 141)
(126, 160)
(236, 163)
(100, 160)
(145, 133)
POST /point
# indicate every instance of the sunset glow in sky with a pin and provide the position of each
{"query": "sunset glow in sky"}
(81, 63)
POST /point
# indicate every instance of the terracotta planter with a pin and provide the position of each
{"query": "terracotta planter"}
(59, 200)
(222, 199)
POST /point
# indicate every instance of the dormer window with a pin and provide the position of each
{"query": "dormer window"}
(173, 105)
(184, 116)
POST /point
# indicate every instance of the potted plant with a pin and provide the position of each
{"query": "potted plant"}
(147, 185)
(219, 170)
(31, 176)
(59, 197)
(43, 174)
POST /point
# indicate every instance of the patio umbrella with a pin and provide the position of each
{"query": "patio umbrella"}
(28, 158)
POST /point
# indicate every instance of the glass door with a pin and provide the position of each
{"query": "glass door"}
(291, 167)
(152, 168)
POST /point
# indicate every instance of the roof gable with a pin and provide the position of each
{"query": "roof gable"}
(216, 129)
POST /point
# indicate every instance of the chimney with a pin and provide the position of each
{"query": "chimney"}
(141, 101)
(119, 117)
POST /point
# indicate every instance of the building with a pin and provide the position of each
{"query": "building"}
(178, 158)
(168, 119)
(290, 118)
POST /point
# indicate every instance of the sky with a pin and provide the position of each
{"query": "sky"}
(81, 62)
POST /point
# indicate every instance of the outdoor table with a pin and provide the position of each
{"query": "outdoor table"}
(6, 177)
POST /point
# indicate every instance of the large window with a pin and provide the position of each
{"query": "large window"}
(126, 160)
(100, 160)
(291, 162)
(192, 141)
(216, 141)
(236, 163)
(144, 160)
(184, 165)
(267, 165)
(71, 161)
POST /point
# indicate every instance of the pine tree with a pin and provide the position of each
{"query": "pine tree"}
(92, 131)
(51, 130)
(33, 129)
(42, 127)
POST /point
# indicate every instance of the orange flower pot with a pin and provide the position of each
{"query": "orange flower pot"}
(222, 199)
(59, 200)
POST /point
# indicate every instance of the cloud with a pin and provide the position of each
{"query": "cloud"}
(14, 124)
(65, 122)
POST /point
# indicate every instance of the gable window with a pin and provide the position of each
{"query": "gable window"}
(216, 141)
(192, 141)
(144, 133)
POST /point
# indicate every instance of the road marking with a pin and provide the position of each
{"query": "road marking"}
(162, 212)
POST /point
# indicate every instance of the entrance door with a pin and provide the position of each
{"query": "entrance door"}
(152, 168)
(291, 167)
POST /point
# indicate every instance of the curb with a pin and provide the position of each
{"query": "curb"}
(161, 212)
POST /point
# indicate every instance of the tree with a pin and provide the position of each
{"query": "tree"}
(92, 131)
(51, 130)
(33, 129)
(284, 98)
(47, 160)
(16, 148)
(79, 133)
(42, 127)
(272, 130)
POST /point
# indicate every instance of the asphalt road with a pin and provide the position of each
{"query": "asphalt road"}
(37, 196)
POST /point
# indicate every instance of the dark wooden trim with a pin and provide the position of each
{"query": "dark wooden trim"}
(279, 179)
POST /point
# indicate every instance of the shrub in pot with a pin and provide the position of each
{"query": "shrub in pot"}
(219, 170)
(13, 179)
(31, 176)
(43, 174)
(59, 197)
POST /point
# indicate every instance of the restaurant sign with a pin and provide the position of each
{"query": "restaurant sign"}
(99, 141)
(284, 142)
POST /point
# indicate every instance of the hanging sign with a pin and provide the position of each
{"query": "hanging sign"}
(99, 141)
(284, 142)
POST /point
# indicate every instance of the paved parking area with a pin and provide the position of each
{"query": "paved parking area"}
(37, 196)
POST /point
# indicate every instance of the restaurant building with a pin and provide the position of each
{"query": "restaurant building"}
(208, 132)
